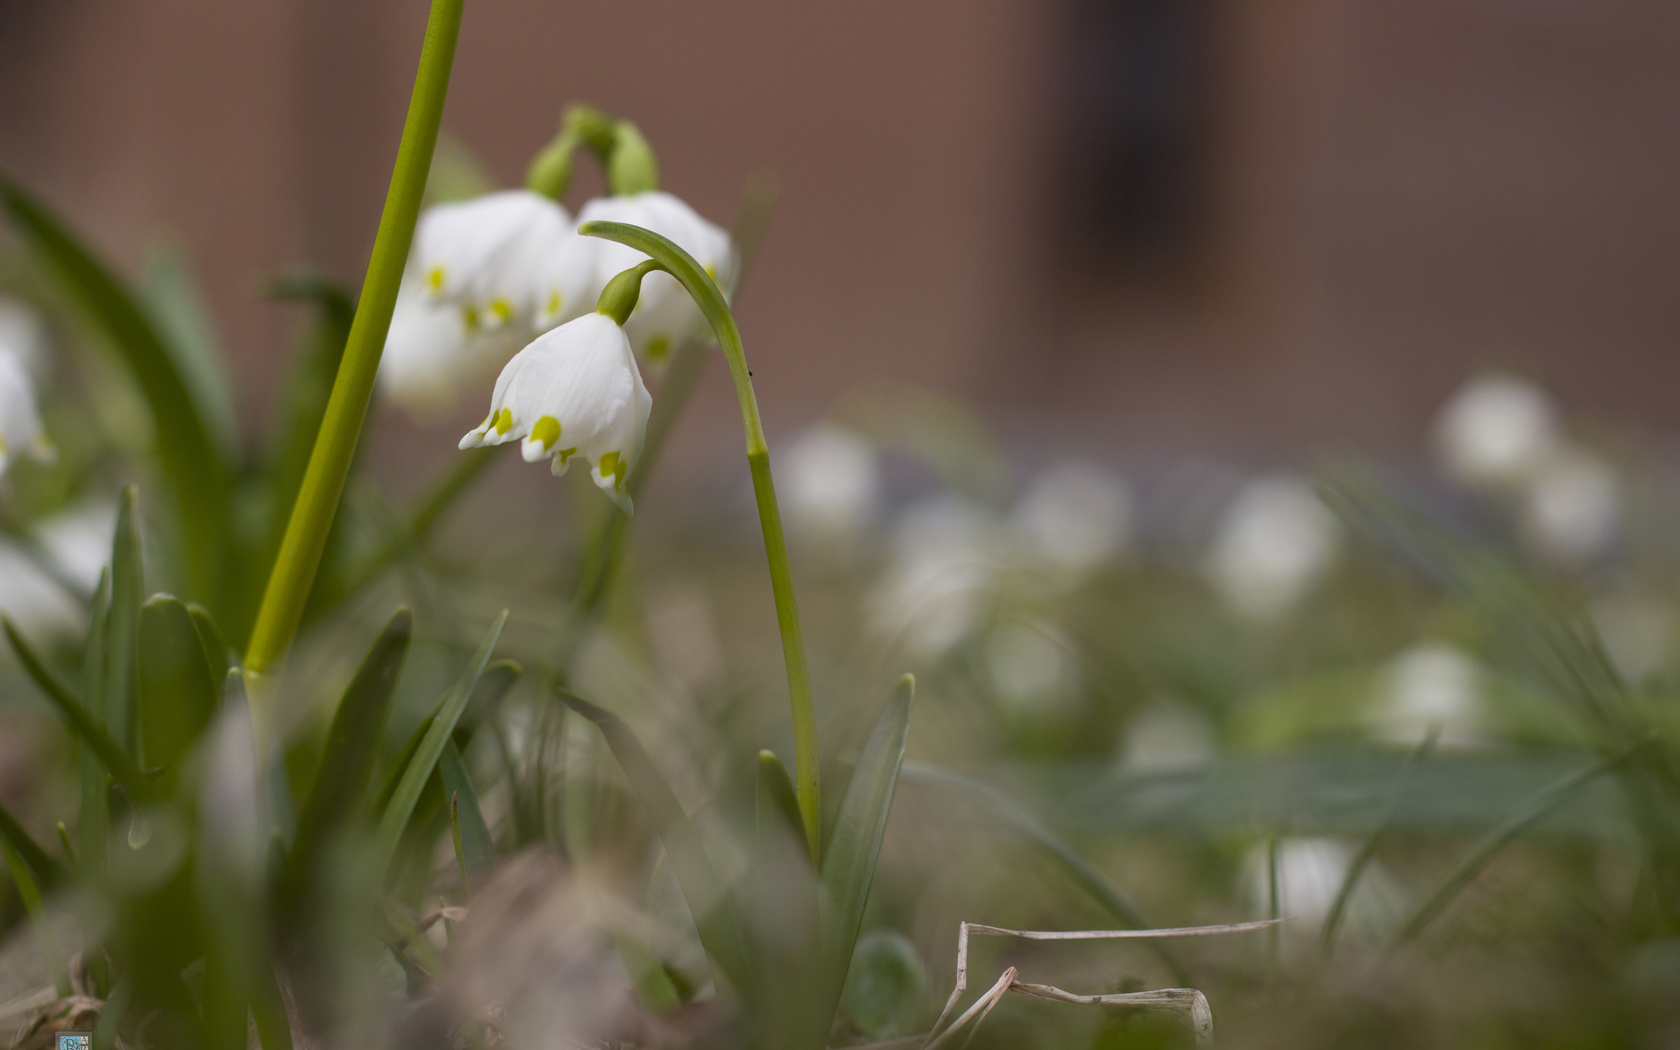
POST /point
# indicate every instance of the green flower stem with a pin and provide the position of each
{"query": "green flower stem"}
(701, 287)
(323, 482)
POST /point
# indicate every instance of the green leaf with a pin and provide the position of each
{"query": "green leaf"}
(477, 848)
(31, 894)
(176, 306)
(780, 919)
(394, 819)
(708, 903)
(849, 861)
(175, 690)
(777, 805)
(81, 723)
(114, 699)
(493, 684)
(196, 471)
(352, 748)
(217, 654)
(885, 986)
(94, 817)
(48, 872)
(1088, 875)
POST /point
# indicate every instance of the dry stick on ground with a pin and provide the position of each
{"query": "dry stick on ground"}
(1201, 1015)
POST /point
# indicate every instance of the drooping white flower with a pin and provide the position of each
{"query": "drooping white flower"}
(1572, 506)
(944, 562)
(1277, 539)
(22, 333)
(1076, 516)
(575, 391)
(431, 352)
(666, 315)
(493, 258)
(1432, 685)
(21, 433)
(832, 483)
(1496, 430)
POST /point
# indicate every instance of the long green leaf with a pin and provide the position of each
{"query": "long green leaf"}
(1090, 878)
(81, 723)
(176, 306)
(493, 684)
(419, 769)
(197, 472)
(780, 918)
(94, 815)
(477, 848)
(48, 872)
(175, 694)
(31, 894)
(217, 654)
(848, 867)
(113, 703)
(352, 749)
(708, 902)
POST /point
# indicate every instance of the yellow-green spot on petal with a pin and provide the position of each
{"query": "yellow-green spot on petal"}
(469, 318)
(554, 301)
(566, 453)
(711, 271)
(659, 349)
(502, 309)
(612, 465)
(434, 278)
(546, 430)
(504, 421)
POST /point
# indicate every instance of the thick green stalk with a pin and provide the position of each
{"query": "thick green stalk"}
(323, 482)
(709, 298)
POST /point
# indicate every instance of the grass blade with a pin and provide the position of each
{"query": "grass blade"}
(1090, 878)
(94, 814)
(707, 901)
(346, 766)
(1476, 857)
(48, 872)
(197, 472)
(81, 723)
(395, 817)
(855, 844)
(31, 894)
(113, 703)
(782, 923)
(472, 834)
(174, 691)
(175, 304)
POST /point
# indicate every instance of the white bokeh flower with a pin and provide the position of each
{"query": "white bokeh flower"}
(21, 433)
(1572, 507)
(32, 599)
(1032, 667)
(1076, 516)
(78, 539)
(933, 591)
(830, 483)
(22, 333)
(666, 316)
(493, 258)
(1309, 875)
(432, 354)
(575, 391)
(1277, 539)
(73, 546)
(1167, 737)
(1432, 685)
(1496, 430)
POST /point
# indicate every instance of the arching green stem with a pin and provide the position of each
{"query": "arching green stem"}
(709, 298)
(329, 462)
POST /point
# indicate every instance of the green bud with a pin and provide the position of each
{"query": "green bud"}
(550, 173)
(592, 127)
(619, 297)
(631, 167)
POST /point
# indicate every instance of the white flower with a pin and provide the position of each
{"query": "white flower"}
(21, 432)
(575, 391)
(76, 545)
(1432, 684)
(1032, 667)
(1076, 516)
(79, 540)
(1496, 430)
(430, 352)
(1571, 507)
(944, 563)
(1167, 737)
(36, 602)
(22, 333)
(1310, 873)
(495, 258)
(665, 316)
(1276, 540)
(831, 483)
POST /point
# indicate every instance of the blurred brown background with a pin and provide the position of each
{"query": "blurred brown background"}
(1223, 224)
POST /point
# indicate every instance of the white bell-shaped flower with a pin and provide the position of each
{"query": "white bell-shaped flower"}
(575, 391)
(21, 432)
(666, 316)
(490, 256)
(1496, 430)
(431, 352)
(1276, 541)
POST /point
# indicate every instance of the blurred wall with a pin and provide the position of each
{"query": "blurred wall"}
(1364, 199)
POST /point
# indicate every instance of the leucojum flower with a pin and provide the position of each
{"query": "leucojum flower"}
(21, 432)
(576, 392)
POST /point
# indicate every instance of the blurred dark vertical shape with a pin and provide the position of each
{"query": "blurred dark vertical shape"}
(1135, 127)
